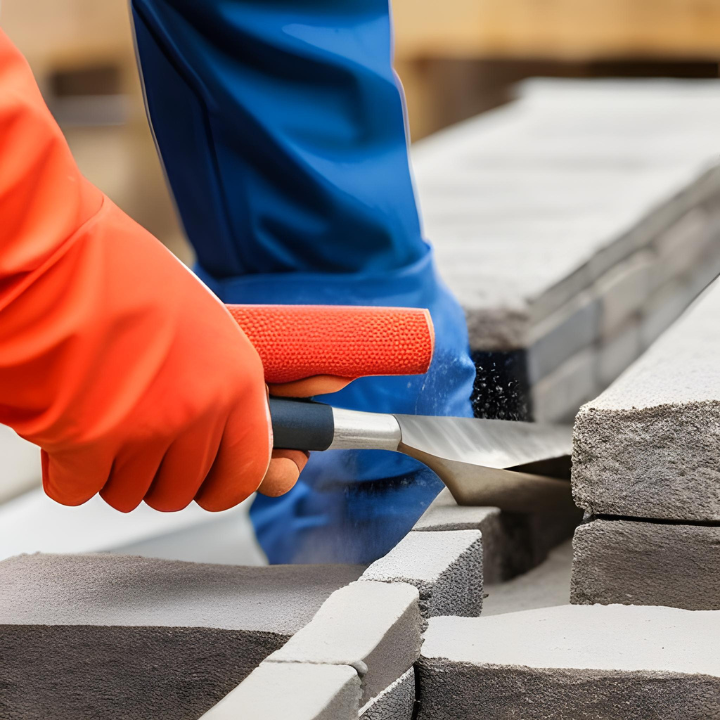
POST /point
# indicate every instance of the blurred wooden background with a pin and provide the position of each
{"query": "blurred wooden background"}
(456, 58)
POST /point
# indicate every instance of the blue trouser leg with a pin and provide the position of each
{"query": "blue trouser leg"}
(281, 128)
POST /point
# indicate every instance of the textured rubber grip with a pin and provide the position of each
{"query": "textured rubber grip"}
(301, 424)
(302, 341)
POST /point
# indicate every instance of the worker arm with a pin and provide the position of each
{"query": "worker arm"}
(129, 374)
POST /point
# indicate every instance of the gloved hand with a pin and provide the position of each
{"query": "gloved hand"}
(129, 374)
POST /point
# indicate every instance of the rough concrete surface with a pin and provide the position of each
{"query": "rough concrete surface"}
(647, 563)
(545, 586)
(372, 626)
(650, 445)
(573, 663)
(558, 396)
(292, 691)
(445, 566)
(139, 638)
(395, 702)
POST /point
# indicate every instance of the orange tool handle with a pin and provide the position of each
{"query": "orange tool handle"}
(302, 341)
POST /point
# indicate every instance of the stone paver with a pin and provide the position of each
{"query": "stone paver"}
(139, 638)
(647, 563)
(572, 663)
(649, 447)
(371, 626)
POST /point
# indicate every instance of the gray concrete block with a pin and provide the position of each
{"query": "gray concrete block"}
(572, 663)
(371, 626)
(563, 335)
(647, 563)
(513, 543)
(617, 353)
(649, 446)
(445, 567)
(664, 307)
(622, 292)
(140, 638)
(557, 397)
(395, 702)
(292, 691)
(679, 247)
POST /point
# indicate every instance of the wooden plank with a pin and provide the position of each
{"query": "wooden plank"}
(561, 29)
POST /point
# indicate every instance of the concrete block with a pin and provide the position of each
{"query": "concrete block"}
(563, 335)
(371, 626)
(622, 292)
(572, 663)
(513, 543)
(141, 638)
(664, 307)
(557, 397)
(292, 691)
(395, 702)
(679, 247)
(445, 567)
(649, 446)
(647, 563)
(617, 353)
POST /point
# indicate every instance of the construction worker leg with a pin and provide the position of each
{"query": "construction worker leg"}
(281, 128)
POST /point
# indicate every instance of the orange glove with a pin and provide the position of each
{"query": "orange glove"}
(129, 374)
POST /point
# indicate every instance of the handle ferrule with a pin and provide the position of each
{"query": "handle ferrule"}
(307, 425)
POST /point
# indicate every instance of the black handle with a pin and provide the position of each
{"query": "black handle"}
(301, 424)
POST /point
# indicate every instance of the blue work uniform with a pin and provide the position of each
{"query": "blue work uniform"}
(281, 127)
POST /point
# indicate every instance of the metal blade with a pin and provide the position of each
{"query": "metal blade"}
(511, 465)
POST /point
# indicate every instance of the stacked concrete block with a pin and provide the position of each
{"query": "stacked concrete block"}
(372, 627)
(446, 567)
(354, 659)
(512, 543)
(125, 637)
(575, 225)
(572, 663)
(646, 468)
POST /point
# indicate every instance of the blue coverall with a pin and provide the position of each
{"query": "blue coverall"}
(281, 128)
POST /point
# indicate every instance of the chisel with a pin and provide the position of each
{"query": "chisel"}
(516, 466)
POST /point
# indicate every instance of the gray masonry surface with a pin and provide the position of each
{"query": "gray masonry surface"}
(445, 566)
(292, 691)
(513, 543)
(560, 219)
(647, 563)
(649, 447)
(573, 663)
(139, 638)
(396, 702)
(372, 626)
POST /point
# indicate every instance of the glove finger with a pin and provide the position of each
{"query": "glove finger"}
(242, 459)
(133, 472)
(307, 387)
(72, 478)
(283, 473)
(184, 467)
